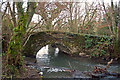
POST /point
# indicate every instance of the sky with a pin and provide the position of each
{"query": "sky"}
(90, 1)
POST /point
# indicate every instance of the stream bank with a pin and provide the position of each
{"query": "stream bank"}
(26, 72)
(65, 66)
(60, 68)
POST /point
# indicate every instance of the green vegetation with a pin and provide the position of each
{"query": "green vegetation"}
(98, 45)
(73, 44)
(94, 31)
(14, 59)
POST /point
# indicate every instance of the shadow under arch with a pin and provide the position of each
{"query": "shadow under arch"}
(62, 47)
(67, 43)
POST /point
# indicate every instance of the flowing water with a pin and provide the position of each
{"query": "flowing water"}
(55, 66)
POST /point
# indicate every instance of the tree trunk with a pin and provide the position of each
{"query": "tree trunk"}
(14, 56)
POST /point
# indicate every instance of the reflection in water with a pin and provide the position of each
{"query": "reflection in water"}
(43, 52)
(46, 53)
(54, 65)
(56, 51)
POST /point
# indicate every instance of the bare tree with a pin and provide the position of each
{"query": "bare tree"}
(50, 13)
(113, 19)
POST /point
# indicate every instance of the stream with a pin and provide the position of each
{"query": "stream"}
(59, 66)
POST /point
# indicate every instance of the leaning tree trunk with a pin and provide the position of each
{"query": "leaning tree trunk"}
(14, 56)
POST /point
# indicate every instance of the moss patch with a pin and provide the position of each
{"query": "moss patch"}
(70, 43)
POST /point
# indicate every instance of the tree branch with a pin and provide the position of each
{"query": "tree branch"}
(5, 10)
(12, 13)
(30, 11)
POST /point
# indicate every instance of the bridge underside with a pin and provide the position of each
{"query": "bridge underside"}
(66, 42)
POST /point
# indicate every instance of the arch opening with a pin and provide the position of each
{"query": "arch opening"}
(46, 53)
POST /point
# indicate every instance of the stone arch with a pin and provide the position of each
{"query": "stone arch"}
(67, 43)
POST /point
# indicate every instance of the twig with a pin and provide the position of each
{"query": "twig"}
(26, 40)
(69, 64)
(109, 63)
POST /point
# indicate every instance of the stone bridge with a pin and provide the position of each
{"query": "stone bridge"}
(67, 42)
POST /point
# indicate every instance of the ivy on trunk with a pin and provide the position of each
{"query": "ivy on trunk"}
(14, 56)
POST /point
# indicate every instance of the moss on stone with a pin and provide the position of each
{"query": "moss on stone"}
(67, 42)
